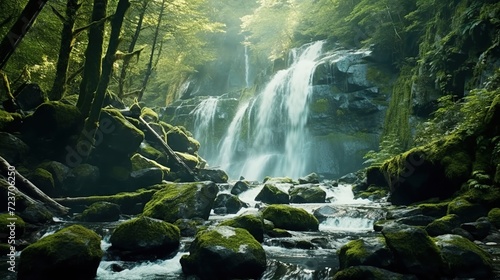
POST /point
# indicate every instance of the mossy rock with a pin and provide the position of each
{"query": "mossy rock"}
(115, 129)
(307, 194)
(226, 203)
(9, 122)
(463, 259)
(278, 180)
(59, 173)
(149, 115)
(179, 141)
(70, 253)
(366, 251)
(225, 253)
(140, 162)
(443, 225)
(101, 212)
(82, 180)
(253, 223)
(182, 201)
(434, 209)
(189, 227)
(494, 217)
(190, 160)
(370, 272)
(416, 252)
(12, 149)
(240, 187)
(146, 237)
(151, 152)
(288, 217)
(43, 180)
(466, 210)
(278, 233)
(488, 197)
(271, 194)
(7, 220)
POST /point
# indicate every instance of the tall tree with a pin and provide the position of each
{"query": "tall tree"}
(149, 67)
(131, 47)
(93, 54)
(67, 40)
(19, 29)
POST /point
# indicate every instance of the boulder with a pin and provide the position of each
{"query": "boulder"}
(149, 115)
(179, 141)
(463, 259)
(36, 213)
(271, 194)
(29, 96)
(307, 194)
(443, 225)
(59, 173)
(215, 175)
(81, 180)
(226, 203)
(479, 229)
(145, 177)
(370, 272)
(145, 238)
(7, 230)
(101, 212)
(12, 149)
(494, 217)
(367, 251)
(415, 250)
(182, 201)
(417, 220)
(288, 217)
(240, 187)
(70, 253)
(140, 162)
(150, 152)
(324, 212)
(434, 209)
(190, 160)
(225, 253)
(312, 178)
(467, 211)
(114, 129)
(189, 227)
(43, 180)
(253, 223)
(10, 122)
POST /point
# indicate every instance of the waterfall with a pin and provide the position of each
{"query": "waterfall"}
(247, 68)
(271, 128)
(204, 114)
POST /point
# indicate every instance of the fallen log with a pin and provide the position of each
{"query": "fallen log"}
(26, 188)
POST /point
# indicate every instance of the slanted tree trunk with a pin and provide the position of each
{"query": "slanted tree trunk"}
(92, 122)
(19, 29)
(93, 57)
(59, 87)
(149, 69)
(131, 47)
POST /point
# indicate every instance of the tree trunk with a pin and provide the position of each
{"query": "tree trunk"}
(149, 69)
(59, 87)
(93, 57)
(131, 47)
(19, 29)
(27, 188)
(116, 24)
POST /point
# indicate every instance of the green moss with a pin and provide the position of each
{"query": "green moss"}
(43, 180)
(443, 225)
(253, 223)
(149, 115)
(466, 210)
(227, 237)
(352, 253)
(494, 217)
(278, 233)
(320, 106)
(101, 212)
(145, 232)
(288, 217)
(6, 220)
(278, 180)
(190, 160)
(434, 209)
(140, 162)
(74, 250)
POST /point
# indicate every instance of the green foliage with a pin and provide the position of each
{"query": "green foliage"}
(389, 146)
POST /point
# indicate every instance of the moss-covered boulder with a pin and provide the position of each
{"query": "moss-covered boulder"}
(59, 172)
(463, 259)
(307, 193)
(226, 203)
(149, 115)
(371, 273)
(182, 201)
(179, 141)
(12, 148)
(115, 129)
(11, 226)
(225, 253)
(70, 253)
(466, 210)
(434, 209)
(150, 152)
(311, 178)
(240, 187)
(366, 251)
(416, 252)
(190, 160)
(145, 237)
(10, 122)
(288, 217)
(278, 233)
(189, 227)
(140, 162)
(214, 175)
(82, 180)
(443, 225)
(101, 212)
(271, 194)
(494, 217)
(253, 223)
(43, 180)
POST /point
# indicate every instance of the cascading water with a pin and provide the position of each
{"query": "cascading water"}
(268, 136)
(204, 114)
(247, 68)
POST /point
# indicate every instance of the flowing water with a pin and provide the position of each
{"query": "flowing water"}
(204, 115)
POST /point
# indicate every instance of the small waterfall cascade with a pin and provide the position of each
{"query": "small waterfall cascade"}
(204, 115)
(247, 68)
(268, 135)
